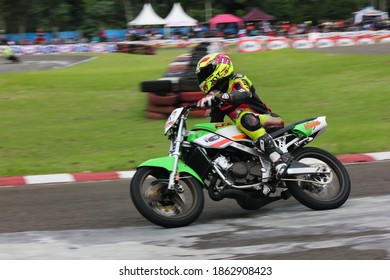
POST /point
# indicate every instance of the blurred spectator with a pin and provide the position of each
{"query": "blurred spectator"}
(56, 41)
(293, 30)
(286, 27)
(191, 33)
(133, 34)
(198, 31)
(102, 36)
(249, 29)
(25, 42)
(177, 34)
(266, 27)
(40, 37)
(155, 35)
(70, 40)
(241, 33)
(3, 38)
(130, 33)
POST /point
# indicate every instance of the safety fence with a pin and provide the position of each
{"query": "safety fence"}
(64, 48)
(244, 44)
(317, 40)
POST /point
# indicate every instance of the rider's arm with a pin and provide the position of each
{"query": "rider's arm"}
(239, 97)
(241, 92)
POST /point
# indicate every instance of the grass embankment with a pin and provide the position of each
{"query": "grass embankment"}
(91, 117)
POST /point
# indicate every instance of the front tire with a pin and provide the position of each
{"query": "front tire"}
(331, 191)
(177, 208)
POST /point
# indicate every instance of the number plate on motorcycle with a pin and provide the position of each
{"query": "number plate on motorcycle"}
(172, 118)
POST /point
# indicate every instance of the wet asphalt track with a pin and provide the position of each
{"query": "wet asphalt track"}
(96, 220)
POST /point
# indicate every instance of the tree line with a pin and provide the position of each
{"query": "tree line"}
(89, 16)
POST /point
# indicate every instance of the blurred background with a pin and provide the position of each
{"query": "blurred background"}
(58, 21)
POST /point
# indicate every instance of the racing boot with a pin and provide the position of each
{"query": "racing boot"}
(281, 160)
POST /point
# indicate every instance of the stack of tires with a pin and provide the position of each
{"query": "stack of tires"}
(179, 67)
(165, 95)
(178, 87)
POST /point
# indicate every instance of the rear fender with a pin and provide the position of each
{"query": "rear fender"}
(167, 163)
(313, 127)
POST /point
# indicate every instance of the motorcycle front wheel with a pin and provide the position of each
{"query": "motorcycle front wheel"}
(167, 208)
(320, 191)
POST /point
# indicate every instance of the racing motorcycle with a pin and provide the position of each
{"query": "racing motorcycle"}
(219, 159)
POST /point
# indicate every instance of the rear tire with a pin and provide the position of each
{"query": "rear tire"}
(167, 209)
(326, 196)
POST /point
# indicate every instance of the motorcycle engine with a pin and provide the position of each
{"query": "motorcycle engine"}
(241, 172)
(245, 172)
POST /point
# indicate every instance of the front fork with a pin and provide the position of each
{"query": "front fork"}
(175, 152)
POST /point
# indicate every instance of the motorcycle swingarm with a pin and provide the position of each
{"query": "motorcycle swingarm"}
(297, 168)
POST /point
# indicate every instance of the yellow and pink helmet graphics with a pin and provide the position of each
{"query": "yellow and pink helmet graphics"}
(211, 69)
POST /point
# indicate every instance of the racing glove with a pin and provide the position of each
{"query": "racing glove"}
(207, 101)
(215, 100)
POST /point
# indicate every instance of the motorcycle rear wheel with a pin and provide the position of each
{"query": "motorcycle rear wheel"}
(177, 208)
(331, 191)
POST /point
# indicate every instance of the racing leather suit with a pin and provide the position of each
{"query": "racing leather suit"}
(246, 109)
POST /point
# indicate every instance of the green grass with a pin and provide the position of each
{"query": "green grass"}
(91, 117)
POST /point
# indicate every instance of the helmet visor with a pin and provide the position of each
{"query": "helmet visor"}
(205, 72)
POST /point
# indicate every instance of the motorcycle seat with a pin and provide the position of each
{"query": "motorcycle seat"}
(285, 129)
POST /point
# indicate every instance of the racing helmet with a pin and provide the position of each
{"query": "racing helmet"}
(212, 69)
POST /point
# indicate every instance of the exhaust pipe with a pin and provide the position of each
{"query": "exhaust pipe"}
(243, 198)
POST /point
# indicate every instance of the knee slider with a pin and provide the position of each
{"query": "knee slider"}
(251, 122)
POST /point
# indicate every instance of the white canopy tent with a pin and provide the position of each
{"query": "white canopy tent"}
(369, 12)
(177, 17)
(147, 16)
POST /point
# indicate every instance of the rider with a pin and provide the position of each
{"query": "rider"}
(8, 54)
(241, 103)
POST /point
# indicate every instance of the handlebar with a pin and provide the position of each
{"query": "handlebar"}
(216, 103)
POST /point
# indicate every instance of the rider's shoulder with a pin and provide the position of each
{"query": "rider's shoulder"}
(239, 76)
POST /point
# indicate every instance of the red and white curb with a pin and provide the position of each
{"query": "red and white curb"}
(64, 178)
(115, 175)
(368, 157)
